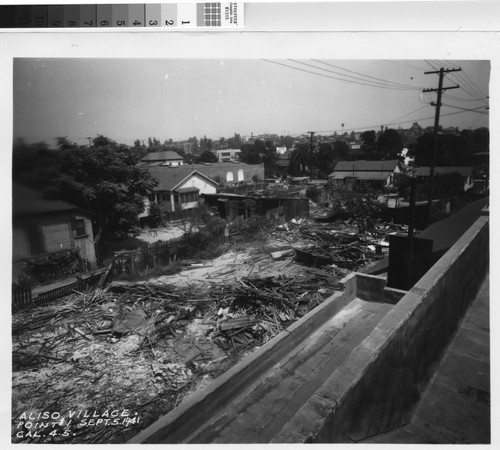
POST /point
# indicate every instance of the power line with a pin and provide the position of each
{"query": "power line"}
(402, 64)
(368, 76)
(468, 109)
(469, 89)
(326, 76)
(368, 127)
(452, 97)
(428, 62)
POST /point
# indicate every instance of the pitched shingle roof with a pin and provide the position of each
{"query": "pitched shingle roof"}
(425, 171)
(366, 166)
(26, 201)
(166, 155)
(170, 177)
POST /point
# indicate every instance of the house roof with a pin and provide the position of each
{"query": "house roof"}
(171, 177)
(166, 155)
(377, 176)
(27, 201)
(367, 166)
(465, 171)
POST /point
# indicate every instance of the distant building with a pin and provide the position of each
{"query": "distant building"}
(230, 154)
(163, 158)
(355, 151)
(283, 162)
(467, 173)
(379, 173)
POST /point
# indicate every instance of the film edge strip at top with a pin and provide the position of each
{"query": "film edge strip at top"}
(173, 16)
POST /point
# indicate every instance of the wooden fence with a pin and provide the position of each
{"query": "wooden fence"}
(22, 297)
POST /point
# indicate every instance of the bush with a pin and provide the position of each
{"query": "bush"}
(313, 193)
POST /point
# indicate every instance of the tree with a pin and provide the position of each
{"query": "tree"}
(302, 159)
(102, 141)
(270, 159)
(205, 144)
(235, 141)
(105, 180)
(389, 144)
(287, 141)
(327, 158)
(155, 215)
(369, 143)
(33, 164)
(208, 157)
(195, 147)
(250, 154)
(451, 150)
(222, 143)
(341, 148)
(139, 144)
(64, 143)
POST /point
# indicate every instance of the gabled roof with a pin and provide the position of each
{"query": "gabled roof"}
(208, 170)
(166, 155)
(367, 166)
(27, 201)
(465, 171)
(375, 176)
(171, 177)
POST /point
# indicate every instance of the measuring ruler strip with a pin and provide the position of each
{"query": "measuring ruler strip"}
(136, 15)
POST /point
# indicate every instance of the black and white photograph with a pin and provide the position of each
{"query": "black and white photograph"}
(249, 246)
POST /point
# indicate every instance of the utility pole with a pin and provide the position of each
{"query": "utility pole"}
(442, 72)
(311, 150)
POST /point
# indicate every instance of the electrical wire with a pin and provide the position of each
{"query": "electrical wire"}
(328, 76)
(368, 127)
(368, 76)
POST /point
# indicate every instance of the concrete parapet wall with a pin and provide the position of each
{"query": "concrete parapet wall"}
(378, 385)
(370, 288)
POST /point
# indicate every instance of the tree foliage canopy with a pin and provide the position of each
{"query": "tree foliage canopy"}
(103, 179)
(208, 157)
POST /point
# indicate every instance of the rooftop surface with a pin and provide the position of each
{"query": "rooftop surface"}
(27, 201)
(443, 233)
(455, 406)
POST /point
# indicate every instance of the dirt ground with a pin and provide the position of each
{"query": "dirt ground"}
(166, 233)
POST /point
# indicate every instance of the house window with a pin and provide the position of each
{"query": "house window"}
(229, 176)
(35, 239)
(78, 226)
(189, 197)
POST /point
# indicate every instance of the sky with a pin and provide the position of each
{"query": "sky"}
(129, 99)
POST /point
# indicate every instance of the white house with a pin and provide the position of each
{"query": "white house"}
(229, 154)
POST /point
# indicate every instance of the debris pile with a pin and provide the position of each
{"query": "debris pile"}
(143, 348)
